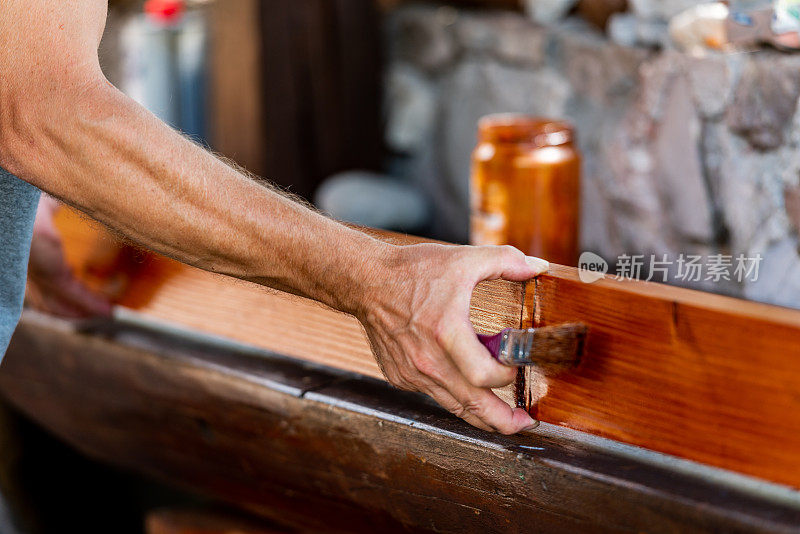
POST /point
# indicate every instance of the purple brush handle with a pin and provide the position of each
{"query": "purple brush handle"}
(492, 342)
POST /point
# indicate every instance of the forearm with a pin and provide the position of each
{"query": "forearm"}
(64, 129)
(122, 166)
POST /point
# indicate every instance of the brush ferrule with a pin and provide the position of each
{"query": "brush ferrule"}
(515, 346)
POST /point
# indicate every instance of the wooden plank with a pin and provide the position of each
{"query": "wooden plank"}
(165, 290)
(700, 376)
(279, 438)
(697, 375)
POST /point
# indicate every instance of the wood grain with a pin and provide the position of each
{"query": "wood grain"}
(168, 291)
(700, 376)
(281, 439)
(697, 375)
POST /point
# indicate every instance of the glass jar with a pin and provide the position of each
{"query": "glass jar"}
(525, 187)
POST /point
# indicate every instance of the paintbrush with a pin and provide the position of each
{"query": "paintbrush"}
(551, 348)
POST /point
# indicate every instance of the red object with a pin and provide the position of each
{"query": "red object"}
(164, 11)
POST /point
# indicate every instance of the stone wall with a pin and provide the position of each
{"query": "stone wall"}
(682, 154)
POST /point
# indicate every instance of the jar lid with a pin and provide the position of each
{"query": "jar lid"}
(521, 128)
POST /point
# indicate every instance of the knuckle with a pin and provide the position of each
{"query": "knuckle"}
(470, 257)
(441, 333)
(505, 428)
(394, 381)
(403, 385)
(503, 376)
(477, 409)
(475, 377)
(485, 382)
(511, 253)
(458, 410)
(478, 377)
(409, 378)
(490, 377)
(474, 407)
(399, 381)
(426, 366)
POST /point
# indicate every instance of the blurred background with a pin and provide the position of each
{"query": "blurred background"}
(369, 110)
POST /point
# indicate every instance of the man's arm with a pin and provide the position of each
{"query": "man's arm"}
(65, 129)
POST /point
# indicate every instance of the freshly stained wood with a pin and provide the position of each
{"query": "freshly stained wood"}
(327, 452)
(704, 377)
(697, 375)
(165, 290)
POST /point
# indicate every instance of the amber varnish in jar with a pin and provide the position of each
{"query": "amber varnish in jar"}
(525, 188)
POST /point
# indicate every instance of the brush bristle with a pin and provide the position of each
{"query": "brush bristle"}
(557, 348)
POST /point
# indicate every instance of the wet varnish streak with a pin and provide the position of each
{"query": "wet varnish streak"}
(700, 376)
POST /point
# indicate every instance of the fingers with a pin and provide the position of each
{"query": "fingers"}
(60, 292)
(427, 343)
(484, 405)
(66, 296)
(449, 403)
(508, 263)
(451, 390)
(459, 340)
(78, 295)
(479, 407)
(473, 360)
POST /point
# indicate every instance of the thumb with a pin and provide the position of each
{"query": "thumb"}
(508, 263)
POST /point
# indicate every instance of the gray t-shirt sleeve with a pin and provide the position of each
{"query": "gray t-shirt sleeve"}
(18, 201)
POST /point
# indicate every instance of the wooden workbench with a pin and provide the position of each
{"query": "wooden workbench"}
(331, 451)
(684, 415)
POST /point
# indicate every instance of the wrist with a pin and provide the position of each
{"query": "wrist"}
(377, 266)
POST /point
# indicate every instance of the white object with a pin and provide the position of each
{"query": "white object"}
(548, 11)
(374, 200)
(694, 29)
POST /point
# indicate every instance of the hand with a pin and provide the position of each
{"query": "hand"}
(416, 315)
(52, 287)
